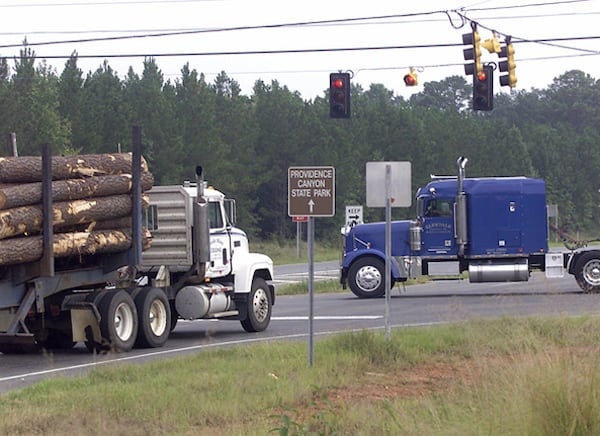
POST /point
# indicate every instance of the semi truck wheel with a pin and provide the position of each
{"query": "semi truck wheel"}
(259, 307)
(587, 272)
(119, 320)
(154, 318)
(366, 277)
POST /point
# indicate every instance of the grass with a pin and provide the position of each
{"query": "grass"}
(287, 252)
(504, 377)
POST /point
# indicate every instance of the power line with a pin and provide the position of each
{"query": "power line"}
(342, 21)
(369, 23)
(387, 68)
(529, 5)
(100, 3)
(226, 29)
(548, 41)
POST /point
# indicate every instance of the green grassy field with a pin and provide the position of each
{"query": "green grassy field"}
(288, 253)
(526, 376)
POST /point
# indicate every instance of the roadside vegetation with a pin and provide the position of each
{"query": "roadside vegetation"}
(511, 376)
(289, 252)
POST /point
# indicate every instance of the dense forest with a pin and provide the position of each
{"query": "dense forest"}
(246, 143)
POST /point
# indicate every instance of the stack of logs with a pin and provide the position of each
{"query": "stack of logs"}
(92, 206)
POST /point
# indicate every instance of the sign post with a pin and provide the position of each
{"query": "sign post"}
(395, 177)
(311, 193)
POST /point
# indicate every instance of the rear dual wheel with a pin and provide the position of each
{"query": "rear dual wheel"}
(587, 272)
(125, 322)
(118, 321)
(154, 318)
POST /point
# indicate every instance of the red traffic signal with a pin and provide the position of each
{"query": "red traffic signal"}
(411, 78)
(483, 89)
(339, 95)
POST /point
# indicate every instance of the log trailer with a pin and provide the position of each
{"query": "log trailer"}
(496, 229)
(198, 267)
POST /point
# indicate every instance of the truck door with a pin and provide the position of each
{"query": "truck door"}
(220, 242)
(438, 227)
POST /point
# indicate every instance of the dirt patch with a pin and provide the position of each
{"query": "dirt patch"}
(410, 382)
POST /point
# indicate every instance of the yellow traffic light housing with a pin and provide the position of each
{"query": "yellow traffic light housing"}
(508, 65)
(473, 53)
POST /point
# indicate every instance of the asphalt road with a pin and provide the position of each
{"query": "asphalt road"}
(418, 305)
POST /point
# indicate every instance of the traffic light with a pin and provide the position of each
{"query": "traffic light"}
(473, 53)
(411, 78)
(483, 89)
(339, 95)
(508, 65)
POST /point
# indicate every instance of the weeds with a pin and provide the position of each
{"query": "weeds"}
(510, 376)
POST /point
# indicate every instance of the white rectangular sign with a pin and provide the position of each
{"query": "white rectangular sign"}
(400, 186)
(354, 215)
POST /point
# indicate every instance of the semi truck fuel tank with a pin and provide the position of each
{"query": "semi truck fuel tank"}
(508, 270)
(195, 302)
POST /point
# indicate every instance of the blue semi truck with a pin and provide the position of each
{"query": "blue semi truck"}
(495, 228)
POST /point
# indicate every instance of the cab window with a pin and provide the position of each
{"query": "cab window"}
(438, 207)
(215, 217)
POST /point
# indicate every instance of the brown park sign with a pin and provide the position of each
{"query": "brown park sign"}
(311, 191)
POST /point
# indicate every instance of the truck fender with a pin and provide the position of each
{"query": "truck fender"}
(355, 255)
(574, 258)
(247, 267)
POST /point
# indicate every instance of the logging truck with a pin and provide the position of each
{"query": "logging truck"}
(79, 272)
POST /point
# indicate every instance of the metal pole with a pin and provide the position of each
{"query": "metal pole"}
(298, 233)
(12, 144)
(388, 246)
(136, 194)
(311, 297)
(47, 261)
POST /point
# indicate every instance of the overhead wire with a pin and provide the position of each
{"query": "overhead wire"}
(317, 50)
(370, 20)
(100, 3)
(225, 29)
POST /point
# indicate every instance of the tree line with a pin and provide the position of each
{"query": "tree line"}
(247, 143)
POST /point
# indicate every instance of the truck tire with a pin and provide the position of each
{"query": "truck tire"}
(154, 318)
(587, 272)
(366, 277)
(119, 321)
(259, 307)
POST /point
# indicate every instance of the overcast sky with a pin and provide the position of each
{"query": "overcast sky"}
(271, 25)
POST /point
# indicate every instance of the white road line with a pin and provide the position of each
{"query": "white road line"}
(301, 318)
(202, 346)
